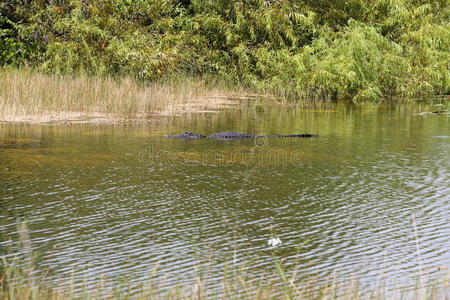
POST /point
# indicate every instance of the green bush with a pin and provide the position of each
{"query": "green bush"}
(349, 50)
(11, 50)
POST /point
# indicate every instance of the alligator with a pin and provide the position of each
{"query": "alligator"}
(237, 135)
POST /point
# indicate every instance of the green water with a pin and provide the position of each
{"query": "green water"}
(117, 201)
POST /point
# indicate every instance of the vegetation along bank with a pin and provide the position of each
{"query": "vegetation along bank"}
(307, 50)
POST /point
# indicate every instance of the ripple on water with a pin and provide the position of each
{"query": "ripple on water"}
(347, 206)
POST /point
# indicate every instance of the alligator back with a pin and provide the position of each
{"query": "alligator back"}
(236, 135)
(230, 135)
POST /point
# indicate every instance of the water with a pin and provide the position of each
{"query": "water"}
(124, 202)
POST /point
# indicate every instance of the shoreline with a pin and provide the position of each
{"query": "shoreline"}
(211, 105)
(31, 97)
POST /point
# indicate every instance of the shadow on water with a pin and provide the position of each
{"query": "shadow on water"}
(120, 200)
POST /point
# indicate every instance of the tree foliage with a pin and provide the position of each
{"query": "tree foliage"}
(331, 49)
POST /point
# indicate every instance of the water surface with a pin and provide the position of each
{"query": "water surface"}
(124, 201)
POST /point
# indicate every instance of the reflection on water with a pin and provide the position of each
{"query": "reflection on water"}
(119, 201)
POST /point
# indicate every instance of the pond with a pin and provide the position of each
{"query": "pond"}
(370, 195)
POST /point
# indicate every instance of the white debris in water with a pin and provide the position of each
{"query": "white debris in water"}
(274, 242)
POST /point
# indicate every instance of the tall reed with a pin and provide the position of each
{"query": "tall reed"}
(19, 280)
(25, 93)
(17, 283)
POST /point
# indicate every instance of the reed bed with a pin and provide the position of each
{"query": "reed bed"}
(20, 279)
(18, 282)
(28, 96)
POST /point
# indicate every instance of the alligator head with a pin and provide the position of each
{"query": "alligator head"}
(187, 135)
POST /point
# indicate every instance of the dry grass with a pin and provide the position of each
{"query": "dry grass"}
(27, 96)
